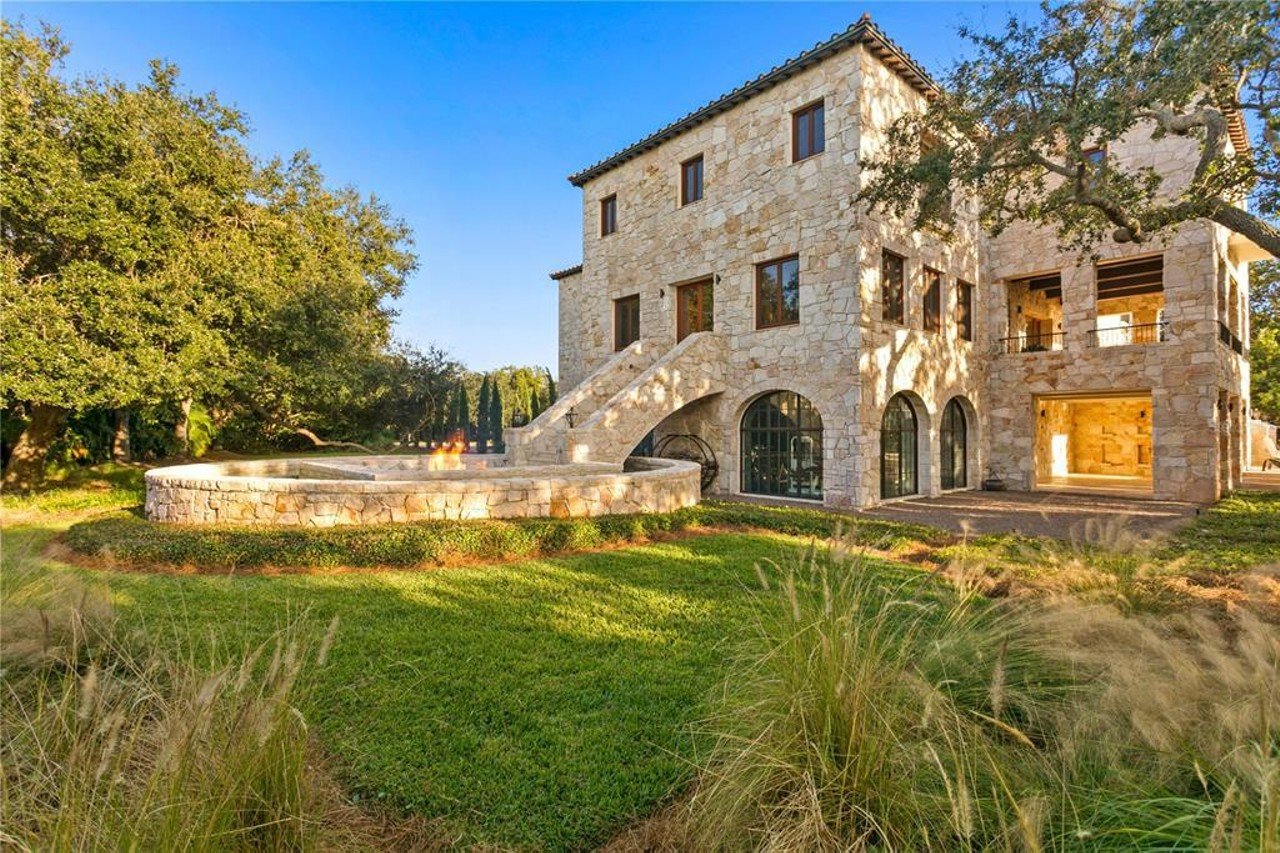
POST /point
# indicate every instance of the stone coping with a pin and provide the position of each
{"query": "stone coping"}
(271, 491)
(283, 475)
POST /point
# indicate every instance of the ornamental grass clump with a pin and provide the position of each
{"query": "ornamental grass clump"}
(877, 710)
(107, 744)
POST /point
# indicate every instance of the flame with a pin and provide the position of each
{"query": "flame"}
(448, 456)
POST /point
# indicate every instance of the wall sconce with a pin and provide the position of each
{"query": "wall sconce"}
(1043, 413)
(662, 294)
(717, 278)
(571, 416)
(1142, 413)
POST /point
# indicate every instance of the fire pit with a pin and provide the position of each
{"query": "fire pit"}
(331, 490)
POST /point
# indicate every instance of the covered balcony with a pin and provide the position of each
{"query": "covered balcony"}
(1130, 303)
(1035, 315)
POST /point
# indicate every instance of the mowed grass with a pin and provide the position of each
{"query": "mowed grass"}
(538, 704)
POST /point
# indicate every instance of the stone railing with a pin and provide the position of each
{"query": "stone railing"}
(543, 440)
(689, 371)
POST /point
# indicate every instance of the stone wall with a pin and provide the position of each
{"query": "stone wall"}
(1112, 437)
(759, 206)
(269, 492)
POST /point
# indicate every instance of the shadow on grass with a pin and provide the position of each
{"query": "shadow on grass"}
(541, 703)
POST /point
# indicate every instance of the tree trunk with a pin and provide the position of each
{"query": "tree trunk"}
(26, 464)
(120, 443)
(1262, 233)
(181, 431)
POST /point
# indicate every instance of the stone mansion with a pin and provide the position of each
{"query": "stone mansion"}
(731, 288)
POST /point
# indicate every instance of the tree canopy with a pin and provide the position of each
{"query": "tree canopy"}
(1023, 124)
(149, 259)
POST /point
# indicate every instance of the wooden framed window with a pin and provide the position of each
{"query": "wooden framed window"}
(608, 215)
(932, 300)
(691, 180)
(626, 321)
(695, 307)
(893, 301)
(964, 310)
(778, 292)
(808, 132)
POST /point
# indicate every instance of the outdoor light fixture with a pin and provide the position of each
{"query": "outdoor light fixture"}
(571, 416)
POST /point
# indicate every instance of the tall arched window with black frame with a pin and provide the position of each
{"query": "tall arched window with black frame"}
(898, 445)
(954, 447)
(782, 447)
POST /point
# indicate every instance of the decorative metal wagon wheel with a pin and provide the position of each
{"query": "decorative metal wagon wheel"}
(690, 448)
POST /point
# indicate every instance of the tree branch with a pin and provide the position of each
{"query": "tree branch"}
(320, 442)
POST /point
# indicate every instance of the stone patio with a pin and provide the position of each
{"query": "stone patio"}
(1053, 514)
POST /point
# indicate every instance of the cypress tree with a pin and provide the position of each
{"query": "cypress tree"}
(484, 429)
(464, 415)
(495, 418)
(551, 388)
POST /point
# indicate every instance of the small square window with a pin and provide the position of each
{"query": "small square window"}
(608, 215)
(808, 132)
(691, 180)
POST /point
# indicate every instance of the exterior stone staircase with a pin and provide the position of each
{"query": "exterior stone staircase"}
(615, 407)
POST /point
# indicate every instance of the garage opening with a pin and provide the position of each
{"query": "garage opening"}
(1094, 443)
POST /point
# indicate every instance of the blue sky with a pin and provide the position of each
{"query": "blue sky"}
(466, 118)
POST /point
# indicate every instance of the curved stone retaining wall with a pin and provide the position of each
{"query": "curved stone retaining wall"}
(327, 491)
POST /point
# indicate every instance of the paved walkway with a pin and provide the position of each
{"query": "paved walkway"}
(1037, 513)
(1055, 514)
(1262, 481)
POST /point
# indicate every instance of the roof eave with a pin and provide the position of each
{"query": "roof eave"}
(862, 32)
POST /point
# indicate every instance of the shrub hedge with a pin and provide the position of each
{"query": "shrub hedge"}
(131, 539)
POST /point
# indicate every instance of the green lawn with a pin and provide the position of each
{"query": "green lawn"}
(534, 704)
(538, 703)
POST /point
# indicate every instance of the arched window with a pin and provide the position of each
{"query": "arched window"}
(898, 449)
(955, 446)
(782, 447)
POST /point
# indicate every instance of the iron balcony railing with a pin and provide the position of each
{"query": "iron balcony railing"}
(1229, 338)
(1119, 336)
(1033, 343)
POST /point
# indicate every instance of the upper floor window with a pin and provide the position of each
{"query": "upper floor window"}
(691, 180)
(1094, 156)
(808, 132)
(932, 300)
(778, 292)
(626, 321)
(964, 310)
(893, 303)
(608, 215)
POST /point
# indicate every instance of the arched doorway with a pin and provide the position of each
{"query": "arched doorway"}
(898, 456)
(954, 449)
(782, 447)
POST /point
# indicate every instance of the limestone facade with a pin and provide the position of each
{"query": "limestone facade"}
(759, 205)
